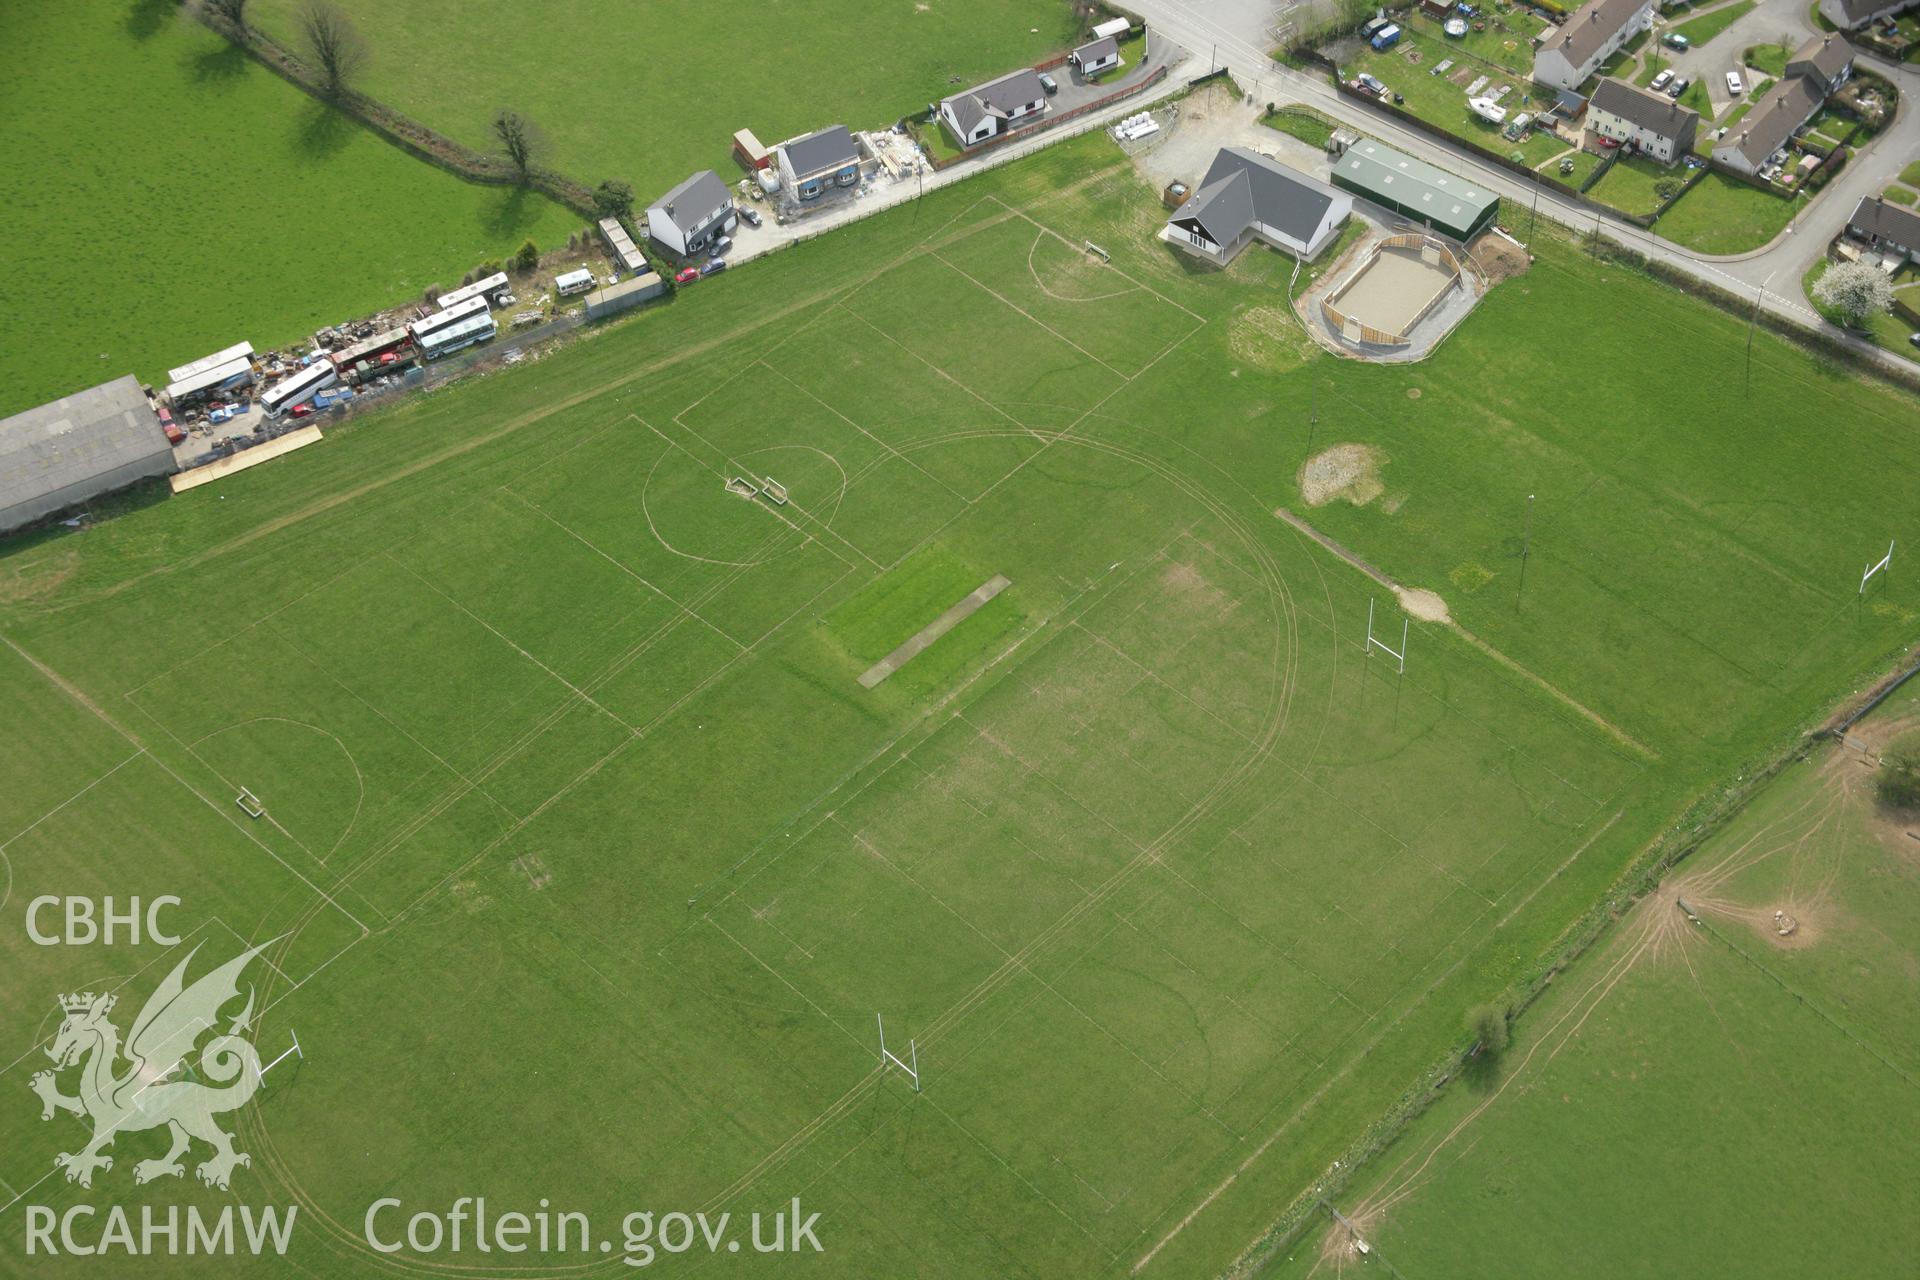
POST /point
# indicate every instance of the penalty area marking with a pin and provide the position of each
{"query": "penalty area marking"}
(924, 637)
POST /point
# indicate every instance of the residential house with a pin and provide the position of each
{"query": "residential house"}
(811, 165)
(1857, 15)
(993, 108)
(1653, 123)
(1094, 58)
(1246, 196)
(1768, 125)
(689, 218)
(1593, 34)
(1888, 227)
(1825, 60)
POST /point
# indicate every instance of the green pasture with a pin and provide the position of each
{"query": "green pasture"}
(590, 864)
(1711, 1090)
(179, 199)
(650, 93)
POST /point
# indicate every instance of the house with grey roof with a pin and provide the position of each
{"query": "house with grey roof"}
(811, 165)
(1886, 226)
(1091, 59)
(1652, 123)
(1768, 126)
(1246, 196)
(995, 107)
(689, 218)
(1578, 46)
(1857, 15)
(79, 447)
(1825, 60)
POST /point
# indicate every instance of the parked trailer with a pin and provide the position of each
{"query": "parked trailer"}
(214, 361)
(297, 388)
(495, 283)
(458, 313)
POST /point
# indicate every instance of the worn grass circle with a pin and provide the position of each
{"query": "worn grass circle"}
(693, 513)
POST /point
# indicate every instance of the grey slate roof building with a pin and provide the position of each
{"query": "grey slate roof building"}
(1571, 53)
(1852, 15)
(1886, 225)
(78, 447)
(1244, 195)
(1103, 52)
(987, 110)
(1769, 124)
(829, 151)
(1658, 124)
(1826, 60)
(687, 218)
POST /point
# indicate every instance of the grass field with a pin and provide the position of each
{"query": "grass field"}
(1724, 215)
(181, 199)
(590, 864)
(649, 93)
(1715, 1091)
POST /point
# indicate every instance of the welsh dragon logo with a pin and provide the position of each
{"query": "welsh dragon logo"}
(144, 1094)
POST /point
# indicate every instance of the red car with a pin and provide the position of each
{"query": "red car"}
(174, 434)
(687, 275)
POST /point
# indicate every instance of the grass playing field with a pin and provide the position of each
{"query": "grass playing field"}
(590, 863)
(181, 199)
(650, 93)
(1714, 1091)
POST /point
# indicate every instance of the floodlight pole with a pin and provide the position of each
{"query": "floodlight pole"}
(1526, 551)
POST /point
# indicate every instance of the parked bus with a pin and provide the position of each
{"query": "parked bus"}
(211, 380)
(495, 283)
(452, 315)
(297, 388)
(448, 339)
(372, 349)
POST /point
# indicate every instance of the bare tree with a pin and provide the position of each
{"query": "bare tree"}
(336, 45)
(521, 139)
(234, 11)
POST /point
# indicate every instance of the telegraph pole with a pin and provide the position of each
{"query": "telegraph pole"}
(1526, 550)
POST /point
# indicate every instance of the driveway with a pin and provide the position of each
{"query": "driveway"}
(1239, 33)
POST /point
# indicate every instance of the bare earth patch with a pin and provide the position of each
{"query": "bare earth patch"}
(1498, 258)
(1346, 471)
(1425, 605)
(39, 578)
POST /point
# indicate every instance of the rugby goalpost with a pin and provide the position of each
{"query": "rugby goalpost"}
(1375, 642)
(911, 1067)
(1885, 562)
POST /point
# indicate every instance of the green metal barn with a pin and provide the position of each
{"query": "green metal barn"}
(1415, 189)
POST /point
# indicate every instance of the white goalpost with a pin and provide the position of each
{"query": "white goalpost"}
(291, 1051)
(911, 1067)
(1375, 642)
(250, 804)
(1885, 562)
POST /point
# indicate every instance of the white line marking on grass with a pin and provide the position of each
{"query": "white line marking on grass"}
(886, 447)
(1011, 305)
(51, 812)
(943, 373)
(504, 639)
(61, 683)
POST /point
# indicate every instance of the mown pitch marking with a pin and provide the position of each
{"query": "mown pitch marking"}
(924, 637)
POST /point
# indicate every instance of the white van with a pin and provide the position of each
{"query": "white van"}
(573, 282)
(1733, 83)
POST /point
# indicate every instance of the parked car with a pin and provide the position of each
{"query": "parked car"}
(1678, 86)
(1661, 81)
(714, 266)
(1734, 86)
(1372, 84)
(1048, 83)
(687, 275)
(1674, 40)
(1914, 339)
(721, 244)
(750, 216)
